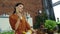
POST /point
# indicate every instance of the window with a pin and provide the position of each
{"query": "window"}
(54, 1)
(57, 11)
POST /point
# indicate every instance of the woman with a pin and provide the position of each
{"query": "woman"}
(17, 20)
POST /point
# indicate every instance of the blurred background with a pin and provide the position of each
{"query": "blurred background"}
(38, 11)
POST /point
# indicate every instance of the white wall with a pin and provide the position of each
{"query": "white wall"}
(4, 24)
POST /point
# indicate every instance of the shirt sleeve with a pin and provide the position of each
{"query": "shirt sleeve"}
(12, 22)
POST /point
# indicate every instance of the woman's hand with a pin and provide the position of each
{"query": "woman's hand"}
(20, 17)
(17, 24)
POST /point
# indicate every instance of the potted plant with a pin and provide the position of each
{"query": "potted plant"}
(58, 23)
(50, 25)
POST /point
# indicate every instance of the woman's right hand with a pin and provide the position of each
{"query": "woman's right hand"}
(17, 24)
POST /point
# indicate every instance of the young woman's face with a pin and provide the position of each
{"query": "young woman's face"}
(19, 8)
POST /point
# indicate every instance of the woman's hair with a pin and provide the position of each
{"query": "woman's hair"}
(16, 6)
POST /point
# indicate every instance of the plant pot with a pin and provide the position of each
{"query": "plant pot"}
(50, 32)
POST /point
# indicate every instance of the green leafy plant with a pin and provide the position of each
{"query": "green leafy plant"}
(8, 32)
(50, 24)
(39, 19)
(58, 22)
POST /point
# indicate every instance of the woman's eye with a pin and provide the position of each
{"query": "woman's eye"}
(20, 6)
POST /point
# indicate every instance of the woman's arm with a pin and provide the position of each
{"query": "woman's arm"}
(17, 24)
(12, 22)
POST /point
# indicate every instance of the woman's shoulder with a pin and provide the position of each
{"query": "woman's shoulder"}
(13, 16)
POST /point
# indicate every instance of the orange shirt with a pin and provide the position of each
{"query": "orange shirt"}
(23, 25)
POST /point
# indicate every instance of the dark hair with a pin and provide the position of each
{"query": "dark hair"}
(16, 6)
